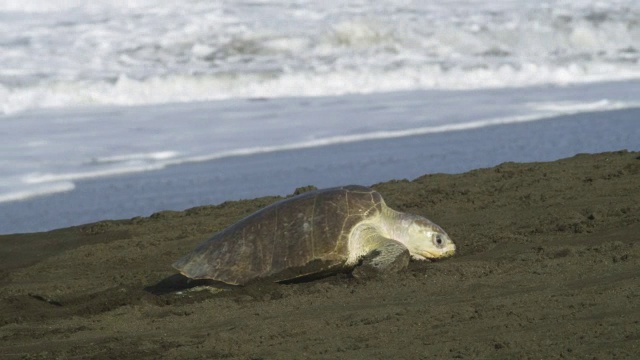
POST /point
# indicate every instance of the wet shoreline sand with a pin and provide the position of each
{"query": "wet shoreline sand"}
(548, 263)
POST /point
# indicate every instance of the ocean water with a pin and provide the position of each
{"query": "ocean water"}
(135, 52)
(143, 93)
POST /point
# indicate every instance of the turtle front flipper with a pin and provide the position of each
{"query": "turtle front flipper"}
(383, 255)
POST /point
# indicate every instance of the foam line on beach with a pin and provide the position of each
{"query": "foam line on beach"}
(41, 190)
(572, 107)
(550, 113)
(82, 175)
(342, 139)
(132, 158)
(39, 184)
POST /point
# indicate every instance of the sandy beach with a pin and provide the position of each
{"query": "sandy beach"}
(547, 268)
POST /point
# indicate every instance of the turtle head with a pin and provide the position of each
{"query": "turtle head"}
(426, 240)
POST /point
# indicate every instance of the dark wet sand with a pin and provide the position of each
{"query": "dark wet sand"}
(548, 267)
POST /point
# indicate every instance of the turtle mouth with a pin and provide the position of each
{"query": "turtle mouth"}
(436, 255)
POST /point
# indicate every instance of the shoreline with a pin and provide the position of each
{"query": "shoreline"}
(183, 186)
(547, 267)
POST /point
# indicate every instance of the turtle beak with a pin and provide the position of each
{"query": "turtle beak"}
(449, 250)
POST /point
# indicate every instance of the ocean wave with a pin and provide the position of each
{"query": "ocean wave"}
(155, 51)
(174, 89)
(46, 6)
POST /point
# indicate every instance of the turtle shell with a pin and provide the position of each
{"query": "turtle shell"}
(298, 236)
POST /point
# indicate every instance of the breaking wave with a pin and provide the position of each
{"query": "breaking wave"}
(76, 53)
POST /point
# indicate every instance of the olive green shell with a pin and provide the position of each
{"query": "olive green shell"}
(302, 235)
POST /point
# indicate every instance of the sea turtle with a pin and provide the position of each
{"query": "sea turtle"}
(317, 232)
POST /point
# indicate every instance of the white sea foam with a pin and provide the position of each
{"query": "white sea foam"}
(129, 92)
(377, 135)
(572, 107)
(41, 178)
(550, 110)
(134, 158)
(28, 192)
(74, 53)
(39, 184)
